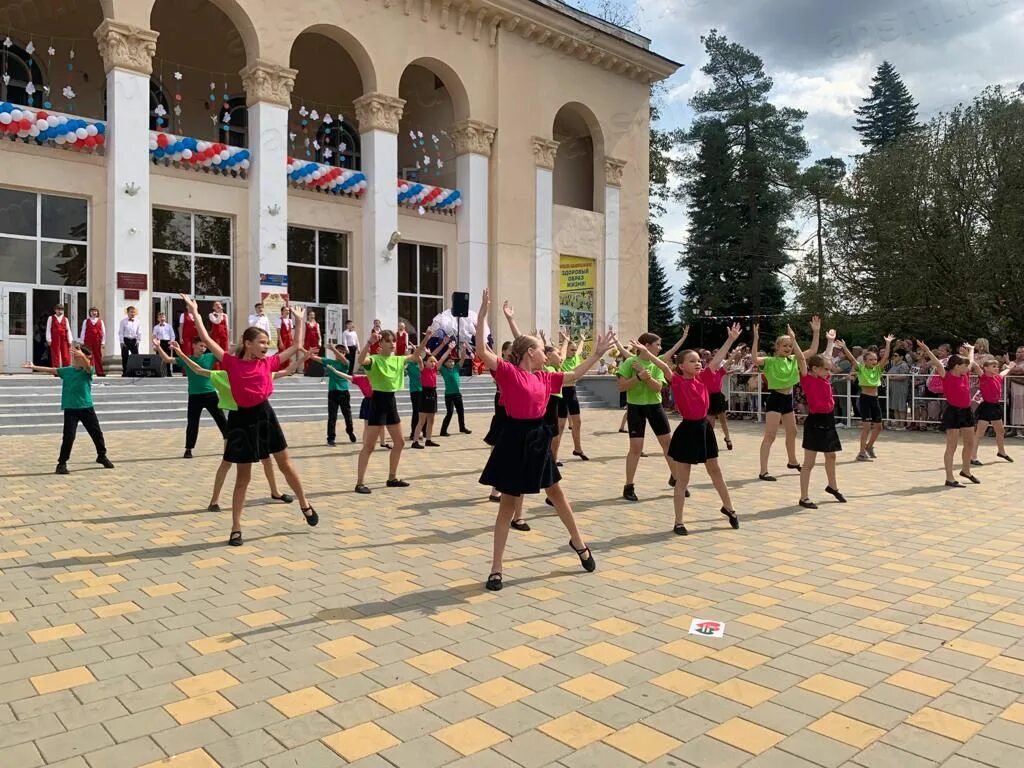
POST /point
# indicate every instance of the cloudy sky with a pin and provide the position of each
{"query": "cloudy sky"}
(823, 53)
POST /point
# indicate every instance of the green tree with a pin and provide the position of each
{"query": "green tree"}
(821, 190)
(889, 113)
(661, 316)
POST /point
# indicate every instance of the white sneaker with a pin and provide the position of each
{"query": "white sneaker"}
(863, 457)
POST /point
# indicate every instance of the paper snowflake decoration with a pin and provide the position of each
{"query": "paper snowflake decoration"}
(69, 92)
(177, 75)
(160, 111)
(213, 87)
(303, 111)
(71, 54)
(227, 117)
(419, 134)
(177, 110)
(440, 164)
(328, 119)
(291, 137)
(412, 135)
(213, 119)
(30, 48)
(51, 51)
(328, 154)
(314, 115)
(30, 89)
(433, 137)
(342, 147)
(421, 210)
(426, 159)
(8, 42)
(6, 79)
(316, 145)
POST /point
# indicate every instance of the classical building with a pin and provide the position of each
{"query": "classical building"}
(364, 157)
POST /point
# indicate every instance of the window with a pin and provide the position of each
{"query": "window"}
(318, 267)
(22, 81)
(234, 123)
(420, 285)
(44, 239)
(339, 146)
(191, 254)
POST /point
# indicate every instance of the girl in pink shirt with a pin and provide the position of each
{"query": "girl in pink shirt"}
(990, 382)
(428, 397)
(820, 434)
(957, 419)
(253, 432)
(521, 462)
(694, 439)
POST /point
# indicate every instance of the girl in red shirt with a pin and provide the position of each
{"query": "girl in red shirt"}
(218, 327)
(521, 462)
(401, 340)
(990, 383)
(312, 338)
(958, 418)
(820, 434)
(285, 329)
(694, 439)
(428, 396)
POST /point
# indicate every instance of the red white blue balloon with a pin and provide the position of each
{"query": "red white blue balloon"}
(414, 195)
(43, 127)
(326, 178)
(220, 158)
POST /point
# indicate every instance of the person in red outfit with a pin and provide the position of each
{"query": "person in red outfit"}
(59, 338)
(312, 338)
(401, 340)
(375, 333)
(186, 332)
(285, 329)
(219, 326)
(94, 336)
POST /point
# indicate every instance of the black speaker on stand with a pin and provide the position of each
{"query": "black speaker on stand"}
(145, 365)
(460, 309)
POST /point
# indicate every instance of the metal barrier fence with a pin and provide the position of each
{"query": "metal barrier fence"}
(905, 400)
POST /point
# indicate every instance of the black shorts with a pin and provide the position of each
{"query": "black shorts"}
(693, 442)
(428, 400)
(957, 418)
(639, 416)
(870, 409)
(253, 434)
(717, 404)
(779, 402)
(622, 400)
(572, 401)
(551, 414)
(989, 412)
(385, 410)
(820, 433)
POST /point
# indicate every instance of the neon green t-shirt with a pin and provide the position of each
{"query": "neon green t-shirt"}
(387, 372)
(781, 372)
(222, 386)
(639, 393)
(572, 363)
(869, 376)
(552, 369)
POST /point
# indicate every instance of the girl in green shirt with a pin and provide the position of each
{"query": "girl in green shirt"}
(869, 377)
(572, 404)
(782, 373)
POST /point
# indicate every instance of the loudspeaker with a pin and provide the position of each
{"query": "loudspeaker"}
(145, 365)
(460, 304)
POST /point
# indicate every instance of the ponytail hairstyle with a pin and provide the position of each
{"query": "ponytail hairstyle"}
(251, 334)
(387, 336)
(520, 347)
(816, 361)
(647, 338)
(954, 360)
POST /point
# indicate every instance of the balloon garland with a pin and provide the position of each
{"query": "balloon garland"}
(326, 178)
(49, 128)
(193, 153)
(425, 197)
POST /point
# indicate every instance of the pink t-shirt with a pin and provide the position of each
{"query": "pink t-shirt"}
(363, 382)
(991, 388)
(957, 390)
(818, 392)
(691, 395)
(713, 379)
(252, 381)
(525, 395)
(428, 378)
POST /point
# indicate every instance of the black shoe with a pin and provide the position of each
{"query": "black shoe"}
(331, 443)
(352, 437)
(629, 493)
(671, 481)
(235, 539)
(417, 446)
(954, 484)
(284, 497)
(808, 504)
(582, 455)
(432, 444)
(734, 521)
(360, 488)
(312, 518)
(559, 464)
(188, 453)
(62, 469)
(1004, 457)
(680, 530)
(396, 483)
(494, 582)
(728, 443)
(976, 463)
(587, 562)
(213, 508)
(549, 502)
(766, 476)
(793, 466)
(520, 525)
(443, 434)
(465, 431)
(972, 478)
(495, 497)
(835, 492)
(686, 493)
(104, 462)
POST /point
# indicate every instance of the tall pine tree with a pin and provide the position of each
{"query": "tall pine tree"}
(661, 316)
(889, 113)
(660, 312)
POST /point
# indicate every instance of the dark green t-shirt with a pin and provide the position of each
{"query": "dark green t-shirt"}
(412, 370)
(452, 379)
(198, 384)
(76, 387)
(336, 383)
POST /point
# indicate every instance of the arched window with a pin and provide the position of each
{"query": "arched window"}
(233, 123)
(22, 81)
(339, 146)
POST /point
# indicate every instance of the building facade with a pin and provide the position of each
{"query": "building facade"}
(365, 158)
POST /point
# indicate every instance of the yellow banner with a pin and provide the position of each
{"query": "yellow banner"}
(576, 274)
(576, 297)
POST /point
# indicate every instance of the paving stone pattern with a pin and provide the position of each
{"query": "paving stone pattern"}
(884, 632)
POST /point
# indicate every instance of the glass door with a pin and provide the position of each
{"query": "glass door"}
(43, 302)
(14, 328)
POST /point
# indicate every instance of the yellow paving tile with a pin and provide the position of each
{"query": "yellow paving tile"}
(682, 683)
(378, 622)
(912, 681)
(521, 657)
(755, 598)
(116, 609)
(841, 643)
(1008, 617)
(301, 702)
(746, 693)
(434, 662)
(945, 724)
(499, 691)
(881, 625)
(615, 627)
(262, 593)
(470, 736)
(745, 735)
(543, 593)
(402, 697)
(1014, 712)
(344, 646)
(949, 622)
(898, 651)
(540, 629)
(198, 708)
(210, 682)
(591, 687)
(59, 681)
(643, 743)
(605, 653)
(1007, 664)
(981, 650)
(740, 657)
(196, 758)
(866, 603)
(61, 632)
(217, 643)
(345, 666)
(847, 730)
(687, 650)
(6, 617)
(361, 741)
(575, 730)
(262, 618)
(162, 590)
(832, 687)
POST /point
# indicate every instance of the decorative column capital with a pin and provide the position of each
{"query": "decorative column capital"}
(378, 111)
(267, 82)
(123, 46)
(613, 171)
(544, 151)
(472, 136)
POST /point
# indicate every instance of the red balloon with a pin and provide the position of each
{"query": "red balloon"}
(100, 139)
(25, 124)
(161, 139)
(41, 115)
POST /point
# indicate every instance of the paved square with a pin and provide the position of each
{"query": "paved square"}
(884, 632)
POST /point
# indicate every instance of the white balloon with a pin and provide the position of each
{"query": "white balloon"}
(5, 118)
(186, 154)
(81, 133)
(91, 129)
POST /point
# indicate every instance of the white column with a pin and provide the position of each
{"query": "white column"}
(268, 90)
(378, 116)
(613, 181)
(473, 149)
(127, 56)
(544, 156)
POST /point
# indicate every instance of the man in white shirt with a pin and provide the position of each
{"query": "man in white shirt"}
(129, 332)
(260, 320)
(350, 341)
(163, 332)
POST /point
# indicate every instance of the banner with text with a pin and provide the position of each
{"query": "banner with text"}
(577, 281)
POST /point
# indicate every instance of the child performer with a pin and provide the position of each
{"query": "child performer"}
(782, 373)
(253, 430)
(94, 336)
(285, 329)
(350, 340)
(522, 462)
(451, 373)
(385, 372)
(820, 434)
(556, 413)
(312, 338)
(163, 335)
(571, 400)
(401, 340)
(958, 419)
(718, 405)
(869, 378)
(76, 402)
(337, 393)
(186, 332)
(694, 442)
(990, 382)
(501, 417)
(201, 394)
(59, 338)
(428, 397)
(642, 379)
(412, 372)
(219, 332)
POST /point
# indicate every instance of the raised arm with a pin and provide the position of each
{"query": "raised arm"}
(160, 351)
(193, 309)
(936, 363)
(645, 354)
(801, 359)
(510, 316)
(563, 344)
(39, 368)
(755, 351)
(831, 336)
(887, 351)
(299, 324)
(192, 364)
(447, 353)
(848, 354)
(601, 345)
(485, 353)
(364, 353)
(730, 339)
(815, 331)
(417, 354)
(667, 356)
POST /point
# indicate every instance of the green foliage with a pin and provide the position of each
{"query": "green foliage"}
(889, 113)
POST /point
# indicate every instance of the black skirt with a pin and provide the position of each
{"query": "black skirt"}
(957, 418)
(385, 410)
(552, 412)
(497, 422)
(716, 404)
(428, 400)
(693, 442)
(253, 434)
(989, 412)
(521, 461)
(366, 409)
(820, 433)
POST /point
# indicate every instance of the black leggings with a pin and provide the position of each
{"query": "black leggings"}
(452, 403)
(196, 405)
(414, 398)
(87, 418)
(336, 399)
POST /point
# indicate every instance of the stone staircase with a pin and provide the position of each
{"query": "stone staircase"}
(30, 404)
